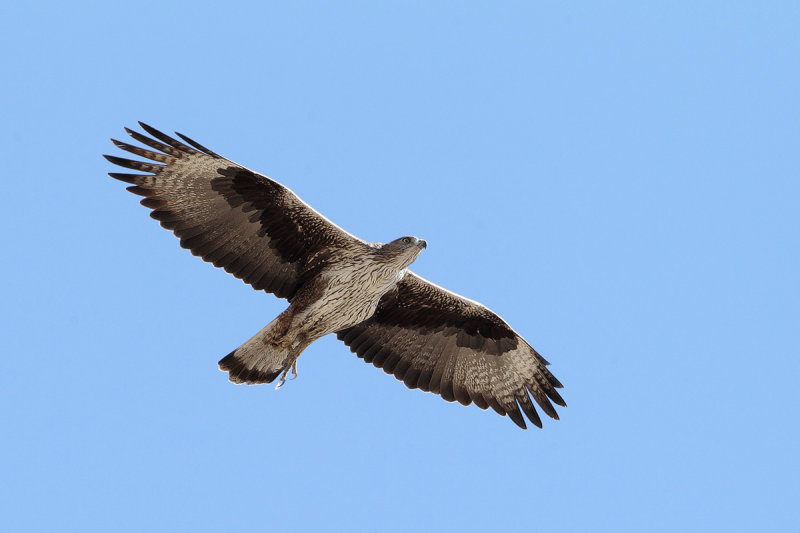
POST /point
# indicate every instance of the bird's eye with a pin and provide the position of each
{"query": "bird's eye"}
(405, 240)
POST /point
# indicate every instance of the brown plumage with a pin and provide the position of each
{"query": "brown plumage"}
(262, 233)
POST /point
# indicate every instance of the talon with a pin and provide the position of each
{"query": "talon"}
(283, 379)
(293, 368)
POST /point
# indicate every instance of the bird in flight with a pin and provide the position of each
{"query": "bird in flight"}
(264, 234)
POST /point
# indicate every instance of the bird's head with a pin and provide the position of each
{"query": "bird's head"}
(403, 250)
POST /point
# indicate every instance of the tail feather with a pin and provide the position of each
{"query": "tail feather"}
(255, 361)
(239, 372)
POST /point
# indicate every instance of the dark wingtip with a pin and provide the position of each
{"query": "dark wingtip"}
(120, 161)
(197, 145)
(516, 417)
(555, 397)
(151, 130)
(524, 402)
(128, 178)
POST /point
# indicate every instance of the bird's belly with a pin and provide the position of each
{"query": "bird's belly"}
(348, 300)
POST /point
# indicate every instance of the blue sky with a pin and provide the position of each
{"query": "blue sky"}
(618, 180)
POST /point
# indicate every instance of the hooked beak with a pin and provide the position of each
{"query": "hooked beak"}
(422, 244)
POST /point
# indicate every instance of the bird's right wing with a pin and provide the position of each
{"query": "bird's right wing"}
(250, 225)
(440, 342)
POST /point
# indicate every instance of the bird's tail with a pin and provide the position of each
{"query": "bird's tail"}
(259, 360)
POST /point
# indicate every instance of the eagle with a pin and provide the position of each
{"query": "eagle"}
(264, 234)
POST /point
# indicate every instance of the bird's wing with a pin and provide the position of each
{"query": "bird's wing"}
(440, 342)
(250, 225)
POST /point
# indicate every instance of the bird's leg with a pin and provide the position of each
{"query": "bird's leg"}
(293, 368)
(300, 342)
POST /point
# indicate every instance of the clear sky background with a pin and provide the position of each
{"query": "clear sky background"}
(619, 180)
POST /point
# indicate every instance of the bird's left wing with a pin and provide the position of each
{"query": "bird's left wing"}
(440, 342)
(250, 225)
